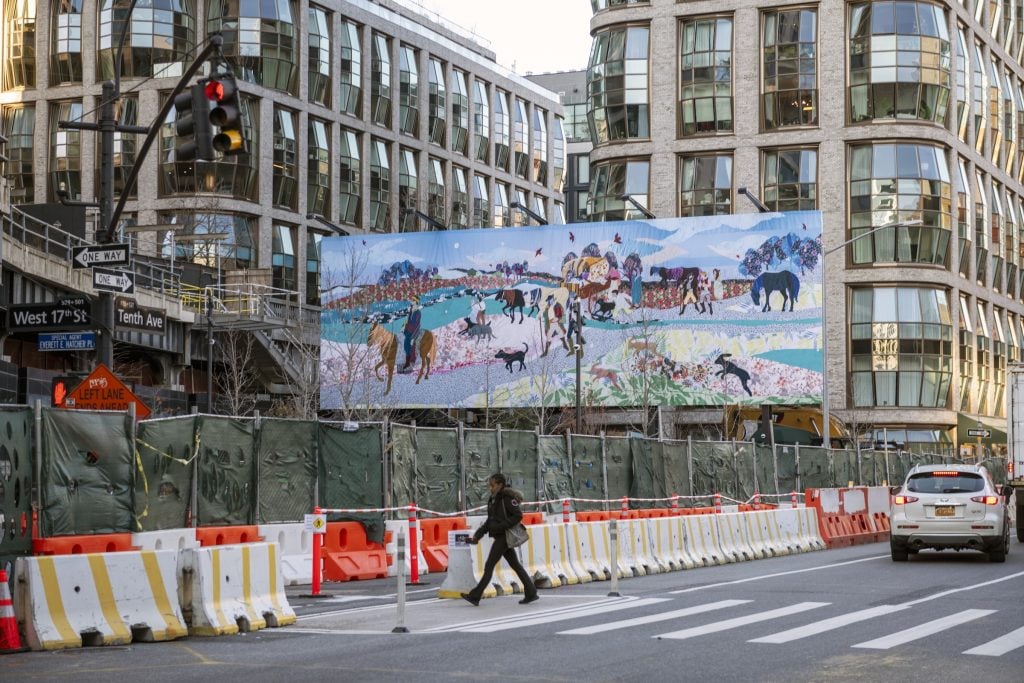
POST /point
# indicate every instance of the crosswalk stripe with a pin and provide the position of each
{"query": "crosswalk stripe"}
(828, 624)
(562, 616)
(651, 618)
(742, 621)
(926, 629)
(999, 646)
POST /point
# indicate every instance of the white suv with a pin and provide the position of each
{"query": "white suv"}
(949, 506)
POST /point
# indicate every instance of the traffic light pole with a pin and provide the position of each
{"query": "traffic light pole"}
(107, 125)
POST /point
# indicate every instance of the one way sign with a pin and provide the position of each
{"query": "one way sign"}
(100, 255)
(113, 281)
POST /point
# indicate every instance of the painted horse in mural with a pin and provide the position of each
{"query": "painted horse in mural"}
(677, 276)
(387, 344)
(785, 282)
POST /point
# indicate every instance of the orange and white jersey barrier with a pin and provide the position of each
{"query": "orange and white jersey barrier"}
(166, 539)
(233, 588)
(115, 597)
(391, 547)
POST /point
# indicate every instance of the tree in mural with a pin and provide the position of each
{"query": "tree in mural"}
(800, 252)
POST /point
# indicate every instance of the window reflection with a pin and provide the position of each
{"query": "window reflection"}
(705, 83)
(460, 113)
(540, 146)
(408, 190)
(790, 179)
(259, 39)
(609, 181)
(502, 130)
(481, 122)
(706, 185)
(285, 162)
(318, 168)
(408, 91)
(436, 191)
(790, 69)
(481, 203)
(381, 82)
(65, 41)
(460, 198)
(350, 75)
(319, 37)
(350, 176)
(19, 129)
(380, 185)
(65, 151)
(19, 46)
(436, 107)
(617, 84)
(160, 38)
(314, 241)
(521, 139)
(234, 252)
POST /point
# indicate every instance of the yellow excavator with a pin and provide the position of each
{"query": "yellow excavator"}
(783, 425)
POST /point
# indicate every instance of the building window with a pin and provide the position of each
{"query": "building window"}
(609, 181)
(901, 347)
(408, 91)
(978, 85)
(65, 151)
(233, 252)
(577, 124)
(286, 169)
(19, 44)
(460, 113)
(539, 206)
(521, 139)
(540, 146)
(259, 40)
(502, 130)
(617, 85)
(962, 109)
(558, 216)
(790, 69)
(481, 203)
(601, 5)
(435, 191)
(159, 41)
(519, 217)
(460, 199)
(350, 77)
(318, 168)
(381, 84)
(437, 106)
(350, 176)
(314, 240)
(894, 182)
(790, 179)
(502, 212)
(283, 265)
(319, 56)
(65, 41)
(408, 189)
(705, 81)
(999, 350)
(481, 122)
(899, 61)
(558, 157)
(235, 176)
(706, 185)
(380, 185)
(19, 129)
(966, 348)
(983, 358)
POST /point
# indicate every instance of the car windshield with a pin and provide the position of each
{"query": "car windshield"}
(932, 482)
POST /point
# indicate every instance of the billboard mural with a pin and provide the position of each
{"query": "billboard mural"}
(687, 311)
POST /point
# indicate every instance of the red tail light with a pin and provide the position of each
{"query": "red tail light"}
(903, 500)
(987, 500)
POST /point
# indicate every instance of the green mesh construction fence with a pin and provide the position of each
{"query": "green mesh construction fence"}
(642, 483)
(556, 474)
(619, 466)
(587, 479)
(815, 468)
(519, 461)
(16, 478)
(165, 452)
(785, 465)
(437, 479)
(88, 471)
(351, 476)
(481, 458)
(675, 469)
(286, 469)
(764, 470)
(403, 464)
(714, 470)
(227, 471)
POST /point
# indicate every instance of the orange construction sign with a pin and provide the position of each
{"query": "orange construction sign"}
(101, 390)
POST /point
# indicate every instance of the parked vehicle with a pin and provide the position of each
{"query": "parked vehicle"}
(1015, 442)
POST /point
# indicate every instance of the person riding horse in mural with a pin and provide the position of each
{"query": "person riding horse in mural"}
(412, 332)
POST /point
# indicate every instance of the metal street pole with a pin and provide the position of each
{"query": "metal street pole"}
(826, 439)
(579, 366)
(209, 350)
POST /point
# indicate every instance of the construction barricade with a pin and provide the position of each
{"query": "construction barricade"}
(435, 540)
(231, 588)
(83, 544)
(849, 516)
(227, 535)
(392, 528)
(68, 601)
(166, 539)
(348, 555)
(295, 550)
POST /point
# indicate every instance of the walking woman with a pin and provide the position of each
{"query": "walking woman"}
(503, 513)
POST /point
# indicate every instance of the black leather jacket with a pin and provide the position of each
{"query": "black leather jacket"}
(503, 513)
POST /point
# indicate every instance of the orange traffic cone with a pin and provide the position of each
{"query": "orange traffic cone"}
(9, 639)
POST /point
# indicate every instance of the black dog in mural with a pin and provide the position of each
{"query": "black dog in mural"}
(730, 368)
(512, 357)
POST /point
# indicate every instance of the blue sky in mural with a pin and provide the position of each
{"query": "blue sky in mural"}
(696, 311)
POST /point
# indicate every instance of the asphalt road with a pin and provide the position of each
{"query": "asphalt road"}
(840, 615)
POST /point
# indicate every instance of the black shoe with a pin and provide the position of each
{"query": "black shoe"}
(529, 598)
(471, 600)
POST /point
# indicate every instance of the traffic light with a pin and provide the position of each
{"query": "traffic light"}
(60, 387)
(192, 125)
(226, 113)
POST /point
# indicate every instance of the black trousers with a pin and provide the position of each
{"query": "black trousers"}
(500, 549)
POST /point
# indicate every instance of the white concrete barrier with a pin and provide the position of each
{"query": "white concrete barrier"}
(735, 538)
(808, 521)
(763, 539)
(570, 551)
(98, 598)
(165, 539)
(295, 546)
(391, 547)
(587, 536)
(465, 566)
(788, 525)
(232, 588)
(702, 531)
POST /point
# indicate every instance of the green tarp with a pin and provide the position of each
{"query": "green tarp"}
(481, 454)
(227, 471)
(555, 471)
(587, 472)
(403, 464)
(437, 469)
(163, 486)
(519, 461)
(351, 476)
(287, 470)
(619, 465)
(16, 478)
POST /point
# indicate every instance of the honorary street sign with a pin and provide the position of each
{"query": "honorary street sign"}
(129, 314)
(73, 313)
(983, 433)
(113, 281)
(101, 390)
(100, 255)
(66, 341)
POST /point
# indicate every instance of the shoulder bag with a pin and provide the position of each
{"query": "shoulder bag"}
(516, 536)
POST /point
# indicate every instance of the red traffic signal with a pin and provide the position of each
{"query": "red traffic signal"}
(192, 125)
(226, 114)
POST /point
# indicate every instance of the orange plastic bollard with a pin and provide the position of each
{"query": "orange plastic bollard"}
(675, 504)
(792, 499)
(565, 511)
(318, 567)
(625, 508)
(718, 503)
(414, 544)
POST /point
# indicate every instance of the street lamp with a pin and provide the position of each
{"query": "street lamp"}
(826, 439)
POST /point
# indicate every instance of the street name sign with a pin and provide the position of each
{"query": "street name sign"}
(113, 281)
(101, 390)
(100, 255)
(66, 341)
(129, 314)
(72, 313)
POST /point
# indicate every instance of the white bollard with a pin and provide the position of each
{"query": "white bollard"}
(613, 535)
(400, 561)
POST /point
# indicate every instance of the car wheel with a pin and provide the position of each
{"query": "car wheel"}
(913, 551)
(899, 552)
(997, 554)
